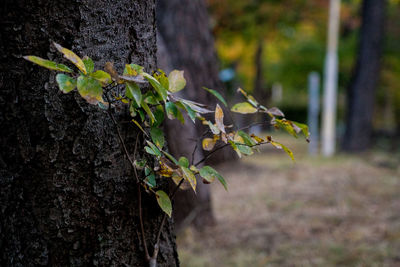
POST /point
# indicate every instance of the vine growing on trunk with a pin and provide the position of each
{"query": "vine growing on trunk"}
(148, 108)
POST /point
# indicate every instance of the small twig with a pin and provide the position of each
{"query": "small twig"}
(194, 151)
(197, 142)
(209, 154)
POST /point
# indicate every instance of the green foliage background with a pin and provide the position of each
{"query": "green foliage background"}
(294, 40)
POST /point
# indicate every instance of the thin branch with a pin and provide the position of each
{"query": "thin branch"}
(122, 142)
(210, 154)
(139, 191)
(194, 151)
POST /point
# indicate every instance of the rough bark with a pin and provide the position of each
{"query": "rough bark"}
(188, 44)
(67, 194)
(361, 94)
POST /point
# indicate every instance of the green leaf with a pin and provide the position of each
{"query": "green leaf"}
(162, 78)
(249, 98)
(244, 108)
(189, 176)
(171, 110)
(217, 95)
(148, 111)
(51, 65)
(184, 162)
(89, 65)
(244, 149)
(157, 135)
(71, 56)
(280, 146)
(197, 107)
(303, 127)
(153, 148)
(141, 114)
(176, 81)
(246, 138)
(140, 164)
(234, 146)
(133, 92)
(133, 70)
(164, 202)
(286, 125)
(156, 85)
(65, 83)
(150, 177)
(103, 77)
(214, 129)
(172, 158)
(180, 117)
(209, 174)
(90, 89)
(132, 110)
(150, 99)
(159, 116)
(252, 100)
(190, 112)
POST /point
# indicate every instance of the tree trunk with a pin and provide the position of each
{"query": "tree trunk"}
(187, 44)
(67, 194)
(361, 94)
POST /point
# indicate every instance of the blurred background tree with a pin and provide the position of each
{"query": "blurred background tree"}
(185, 42)
(289, 37)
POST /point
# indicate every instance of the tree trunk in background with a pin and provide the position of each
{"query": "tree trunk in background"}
(361, 95)
(67, 193)
(188, 45)
(259, 89)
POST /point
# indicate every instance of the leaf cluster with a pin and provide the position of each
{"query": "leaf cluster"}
(151, 98)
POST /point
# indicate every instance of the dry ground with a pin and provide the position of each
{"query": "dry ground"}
(343, 211)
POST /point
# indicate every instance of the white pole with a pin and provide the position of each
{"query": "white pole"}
(313, 111)
(330, 82)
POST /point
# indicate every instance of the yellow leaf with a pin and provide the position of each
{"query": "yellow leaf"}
(258, 139)
(238, 139)
(244, 108)
(176, 178)
(219, 118)
(189, 176)
(165, 170)
(71, 56)
(109, 68)
(208, 144)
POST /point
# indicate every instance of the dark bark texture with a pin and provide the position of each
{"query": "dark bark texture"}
(67, 194)
(361, 94)
(187, 43)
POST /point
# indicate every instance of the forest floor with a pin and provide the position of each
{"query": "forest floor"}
(342, 211)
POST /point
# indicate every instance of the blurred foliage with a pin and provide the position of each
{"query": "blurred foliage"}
(293, 33)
